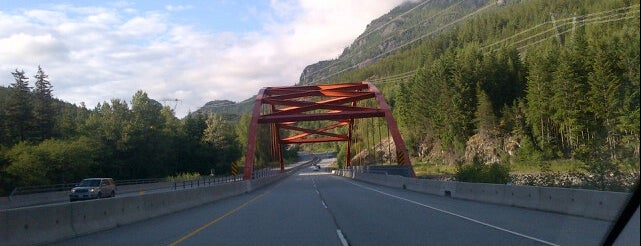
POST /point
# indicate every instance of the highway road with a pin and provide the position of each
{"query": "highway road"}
(317, 208)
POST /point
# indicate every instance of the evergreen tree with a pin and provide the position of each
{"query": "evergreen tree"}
(605, 92)
(43, 106)
(19, 114)
(569, 103)
(541, 67)
(486, 122)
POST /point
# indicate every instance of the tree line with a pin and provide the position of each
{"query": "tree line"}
(570, 96)
(47, 141)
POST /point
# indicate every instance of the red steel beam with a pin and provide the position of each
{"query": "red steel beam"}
(402, 155)
(251, 136)
(314, 140)
(298, 101)
(316, 117)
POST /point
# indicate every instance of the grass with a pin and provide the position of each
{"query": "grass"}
(184, 177)
(425, 169)
(563, 166)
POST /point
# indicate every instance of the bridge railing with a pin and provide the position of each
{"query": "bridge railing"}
(405, 171)
(206, 181)
(24, 190)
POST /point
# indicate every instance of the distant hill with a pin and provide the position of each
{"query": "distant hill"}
(227, 107)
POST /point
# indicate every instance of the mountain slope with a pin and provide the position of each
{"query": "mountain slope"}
(403, 25)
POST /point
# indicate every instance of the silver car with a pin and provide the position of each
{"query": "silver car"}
(93, 188)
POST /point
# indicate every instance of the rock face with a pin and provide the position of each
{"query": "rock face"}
(407, 23)
(381, 153)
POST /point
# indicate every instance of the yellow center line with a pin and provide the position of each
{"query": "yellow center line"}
(193, 233)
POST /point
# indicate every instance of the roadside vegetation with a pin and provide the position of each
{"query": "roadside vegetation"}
(46, 141)
(503, 89)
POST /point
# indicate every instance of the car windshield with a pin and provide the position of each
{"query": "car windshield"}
(429, 122)
(89, 183)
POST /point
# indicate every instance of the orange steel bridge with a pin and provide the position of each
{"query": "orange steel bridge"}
(334, 106)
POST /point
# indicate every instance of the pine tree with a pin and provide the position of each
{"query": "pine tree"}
(485, 118)
(605, 92)
(43, 106)
(18, 110)
(538, 93)
(569, 103)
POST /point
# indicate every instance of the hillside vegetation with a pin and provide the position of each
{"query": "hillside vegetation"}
(520, 82)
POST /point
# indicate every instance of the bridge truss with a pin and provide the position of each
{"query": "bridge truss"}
(333, 105)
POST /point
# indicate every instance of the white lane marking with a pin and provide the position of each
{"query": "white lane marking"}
(317, 192)
(341, 237)
(457, 215)
(324, 205)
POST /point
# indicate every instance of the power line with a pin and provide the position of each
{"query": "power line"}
(592, 18)
(564, 22)
(345, 59)
(595, 18)
(414, 40)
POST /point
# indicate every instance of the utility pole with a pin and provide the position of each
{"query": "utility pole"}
(556, 29)
(175, 100)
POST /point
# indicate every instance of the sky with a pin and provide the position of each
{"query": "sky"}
(182, 53)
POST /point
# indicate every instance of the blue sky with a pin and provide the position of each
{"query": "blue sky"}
(194, 51)
(214, 16)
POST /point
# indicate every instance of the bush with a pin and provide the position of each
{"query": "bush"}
(184, 177)
(477, 172)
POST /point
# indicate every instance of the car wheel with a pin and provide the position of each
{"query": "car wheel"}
(99, 195)
(113, 193)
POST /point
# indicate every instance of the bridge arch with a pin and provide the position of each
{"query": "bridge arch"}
(283, 107)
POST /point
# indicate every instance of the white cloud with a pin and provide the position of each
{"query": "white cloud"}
(177, 7)
(36, 49)
(94, 54)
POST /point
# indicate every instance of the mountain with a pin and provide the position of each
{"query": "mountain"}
(402, 26)
(408, 22)
(227, 107)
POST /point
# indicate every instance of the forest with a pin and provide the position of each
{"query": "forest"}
(515, 86)
(46, 141)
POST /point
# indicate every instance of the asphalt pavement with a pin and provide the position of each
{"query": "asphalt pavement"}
(316, 208)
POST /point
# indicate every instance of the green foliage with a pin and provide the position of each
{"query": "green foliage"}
(53, 161)
(478, 172)
(18, 110)
(602, 172)
(140, 139)
(186, 176)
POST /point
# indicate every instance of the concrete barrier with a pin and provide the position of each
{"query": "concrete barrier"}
(36, 225)
(50, 223)
(492, 193)
(60, 196)
(602, 205)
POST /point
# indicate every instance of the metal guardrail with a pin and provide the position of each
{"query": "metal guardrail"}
(41, 189)
(138, 181)
(24, 190)
(206, 181)
(385, 170)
